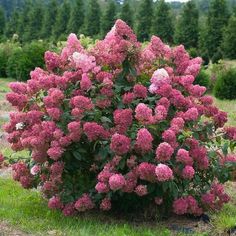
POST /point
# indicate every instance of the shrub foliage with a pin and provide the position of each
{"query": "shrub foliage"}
(203, 79)
(24, 59)
(225, 87)
(120, 126)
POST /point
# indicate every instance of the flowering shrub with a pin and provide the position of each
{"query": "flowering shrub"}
(118, 126)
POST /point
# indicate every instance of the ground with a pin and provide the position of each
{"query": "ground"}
(24, 212)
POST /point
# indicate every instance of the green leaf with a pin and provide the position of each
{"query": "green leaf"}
(225, 149)
(105, 119)
(77, 155)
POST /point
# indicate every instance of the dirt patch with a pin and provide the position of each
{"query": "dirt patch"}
(5, 172)
(7, 230)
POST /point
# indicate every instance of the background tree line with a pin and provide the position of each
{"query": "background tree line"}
(206, 28)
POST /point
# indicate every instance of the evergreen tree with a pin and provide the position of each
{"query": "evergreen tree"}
(187, 27)
(162, 23)
(60, 29)
(2, 22)
(144, 20)
(77, 17)
(109, 17)
(12, 24)
(49, 19)
(127, 13)
(229, 39)
(216, 21)
(203, 43)
(35, 22)
(93, 18)
(24, 19)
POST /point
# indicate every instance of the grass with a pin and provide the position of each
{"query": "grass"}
(27, 211)
(4, 86)
(4, 105)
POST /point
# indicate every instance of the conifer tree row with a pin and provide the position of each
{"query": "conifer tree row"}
(213, 35)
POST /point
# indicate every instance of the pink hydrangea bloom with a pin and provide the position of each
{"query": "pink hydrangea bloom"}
(85, 83)
(146, 171)
(83, 61)
(52, 60)
(105, 204)
(34, 170)
(230, 133)
(183, 157)
(18, 87)
(208, 198)
(69, 209)
(26, 181)
(128, 98)
(188, 172)
(141, 190)
(230, 158)
(160, 112)
(177, 124)
(143, 113)
(84, 203)
(164, 102)
(144, 140)
(55, 153)
(197, 90)
(57, 168)
(101, 187)
(140, 91)
(164, 152)
(17, 100)
(159, 78)
(123, 117)
(131, 181)
(120, 144)
(180, 206)
(163, 173)
(104, 175)
(169, 136)
(116, 182)
(94, 131)
(82, 102)
(191, 114)
(54, 113)
(55, 203)
(220, 119)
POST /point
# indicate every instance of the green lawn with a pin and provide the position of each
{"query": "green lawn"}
(4, 87)
(27, 211)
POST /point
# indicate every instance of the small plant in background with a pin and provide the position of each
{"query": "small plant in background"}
(123, 127)
(203, 79)
(225, 87)
(24, 59)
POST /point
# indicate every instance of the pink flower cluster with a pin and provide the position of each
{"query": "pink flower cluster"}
(186, 205)
(215, 198)
(117, 122)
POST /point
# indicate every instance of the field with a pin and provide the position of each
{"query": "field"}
(24, 212)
